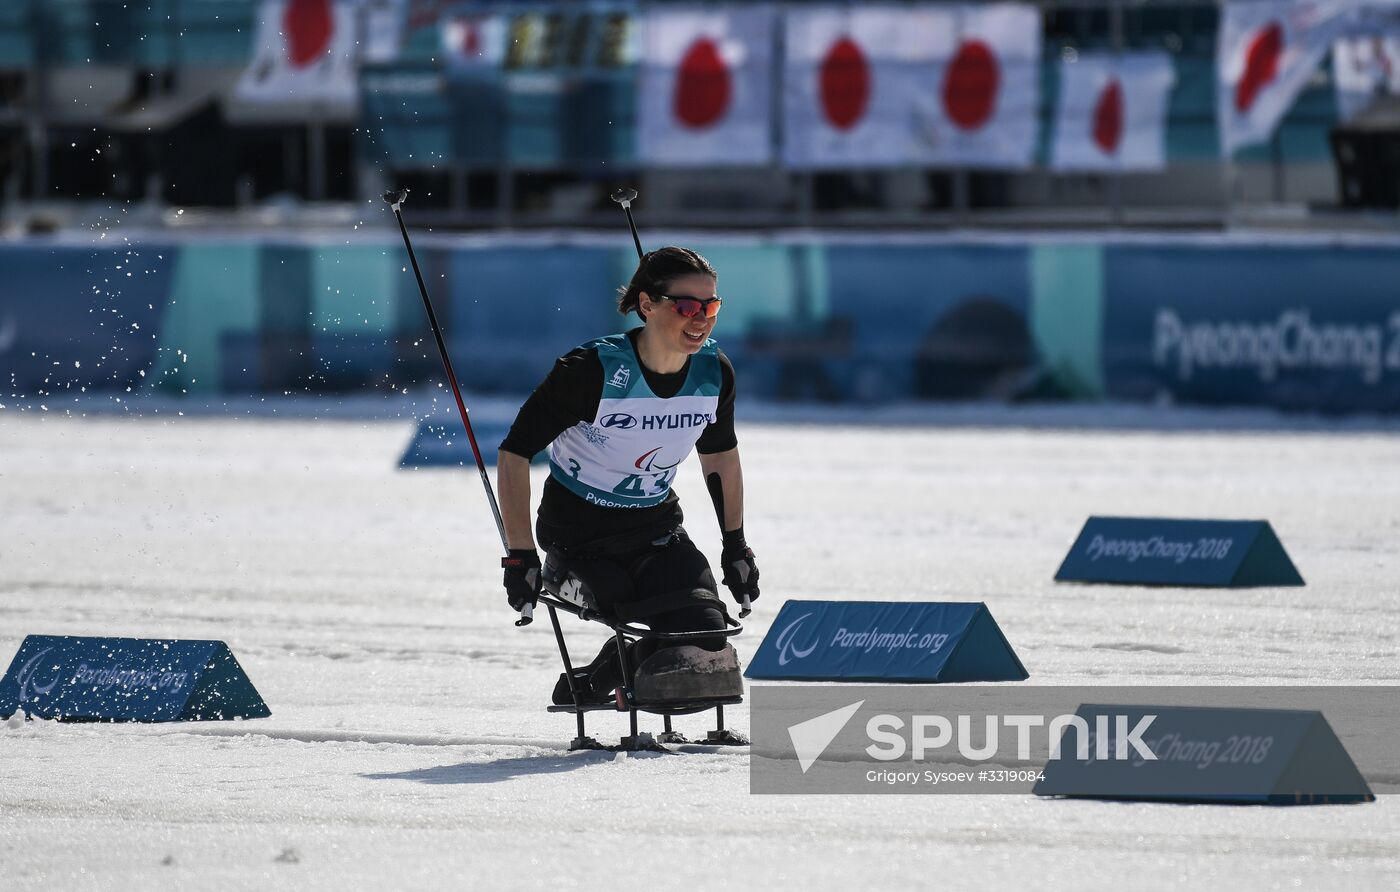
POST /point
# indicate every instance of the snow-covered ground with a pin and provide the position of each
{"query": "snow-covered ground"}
(409, 746)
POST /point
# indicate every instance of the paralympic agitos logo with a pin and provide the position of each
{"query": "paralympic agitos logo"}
(647, 462)
(787, 651)
(26, 679)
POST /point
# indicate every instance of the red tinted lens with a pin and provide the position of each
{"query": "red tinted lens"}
(687, 307)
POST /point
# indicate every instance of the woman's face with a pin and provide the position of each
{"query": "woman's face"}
(672, 330)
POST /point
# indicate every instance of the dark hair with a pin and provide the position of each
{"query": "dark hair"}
(657, 270)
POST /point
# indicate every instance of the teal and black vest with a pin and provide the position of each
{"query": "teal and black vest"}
(627, 456)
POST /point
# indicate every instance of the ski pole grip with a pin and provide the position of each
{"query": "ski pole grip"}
(745, 607)
(527, 615)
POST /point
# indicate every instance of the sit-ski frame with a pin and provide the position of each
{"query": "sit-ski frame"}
(626, 701)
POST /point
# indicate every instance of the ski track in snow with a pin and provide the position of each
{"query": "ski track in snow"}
(409, 746)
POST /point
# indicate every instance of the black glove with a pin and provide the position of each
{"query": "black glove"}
(522, 577)
(740, 572)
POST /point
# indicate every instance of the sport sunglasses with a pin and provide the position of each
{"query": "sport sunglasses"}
(689, 307)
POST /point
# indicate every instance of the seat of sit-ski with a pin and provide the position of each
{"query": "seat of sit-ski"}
(559, 582)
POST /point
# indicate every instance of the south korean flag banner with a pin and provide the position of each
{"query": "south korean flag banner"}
(305, 51)
(705, 89)
(1113, 112)
(980, 105)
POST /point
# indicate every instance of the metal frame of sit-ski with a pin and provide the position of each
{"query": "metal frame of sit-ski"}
(623, 633)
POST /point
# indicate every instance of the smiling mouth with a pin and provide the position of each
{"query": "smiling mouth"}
(695, 337)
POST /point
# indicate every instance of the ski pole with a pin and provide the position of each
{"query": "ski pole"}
(395, 198)
(625, 197)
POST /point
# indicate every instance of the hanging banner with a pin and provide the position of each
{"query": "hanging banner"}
(980, 107)
(849, 76)
(705, 89)
(305, 51)
(1364, 68)
(384, 29)
(473, 43)
(1112, 113)
(1266, 54)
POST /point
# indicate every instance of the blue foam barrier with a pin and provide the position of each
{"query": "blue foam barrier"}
(1204, 754)
(80, 679)
(1159, 551)
(886, 641)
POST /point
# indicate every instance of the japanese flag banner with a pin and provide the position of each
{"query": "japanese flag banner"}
(1112, 114)
(980, 106)
(849, 77)
(704, 94)
(305, 51)
(1365, 67)
(1266, 54)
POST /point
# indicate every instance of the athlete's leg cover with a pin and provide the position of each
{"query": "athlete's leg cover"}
(668, 587)
(607, 672)
(686, 672)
